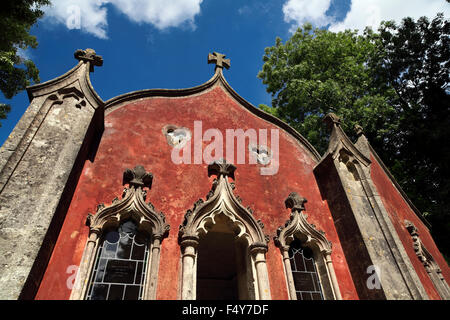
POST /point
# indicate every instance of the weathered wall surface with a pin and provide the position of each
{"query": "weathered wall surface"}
(399, 210)
(40, 163)
(133, 135)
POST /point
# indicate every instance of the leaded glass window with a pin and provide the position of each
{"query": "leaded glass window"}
(304, 272)
(120, 265)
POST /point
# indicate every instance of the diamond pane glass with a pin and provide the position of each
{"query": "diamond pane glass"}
(120, 265)
(304, 272)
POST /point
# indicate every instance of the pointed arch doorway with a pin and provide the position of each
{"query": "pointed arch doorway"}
(223, 245)
(223, 268)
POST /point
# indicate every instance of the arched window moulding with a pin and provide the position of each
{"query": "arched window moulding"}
(131, 206)
(247, 230)
(297, 227)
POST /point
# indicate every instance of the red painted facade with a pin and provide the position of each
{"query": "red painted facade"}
(133, 135)
(399, 211)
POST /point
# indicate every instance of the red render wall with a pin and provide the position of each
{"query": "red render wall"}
(133, 135)
(399, 210)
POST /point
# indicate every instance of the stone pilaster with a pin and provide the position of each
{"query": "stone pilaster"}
(40, 164)
(367, 235)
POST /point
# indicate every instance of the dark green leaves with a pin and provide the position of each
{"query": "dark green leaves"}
(394, 83)
(16, 73)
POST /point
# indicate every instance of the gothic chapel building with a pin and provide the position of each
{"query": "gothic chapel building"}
(197, 194)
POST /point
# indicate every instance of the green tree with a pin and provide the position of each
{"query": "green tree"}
(317, 72)
(394, 82)
(16, 73)
(416, 62)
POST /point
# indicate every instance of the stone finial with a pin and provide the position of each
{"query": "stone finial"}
(219, 60)
(138, 177)
(359, 130)
(332, 119)
(295, 202)
(221, 167)
(90, 56)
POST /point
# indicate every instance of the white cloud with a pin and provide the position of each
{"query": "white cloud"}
(372, 12)
(301, 11)
(362, 12)
(91, 15)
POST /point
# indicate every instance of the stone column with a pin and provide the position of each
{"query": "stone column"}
(152, 274)
(334, 282)
(288, 272)
(82, 279)
(189, 254)
(258, 252)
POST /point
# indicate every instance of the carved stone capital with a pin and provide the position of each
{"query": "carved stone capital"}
(138, 177)
(258, 247)
(189, 241)
(295, 202)
(221, 167)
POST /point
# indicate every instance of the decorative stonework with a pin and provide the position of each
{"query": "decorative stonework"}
(219, 60)
(138, 177)
(176, 136)
(221, 201)
(261, 153)
(339, 143)
(359, 130)
(348, 165)
(221, 168)
(89, 55)
(295, 202)
(432, 268)
(298, 224)
(131, 206)
(298, 227)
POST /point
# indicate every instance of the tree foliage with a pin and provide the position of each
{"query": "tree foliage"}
(317, 72)
(16, 73)
(417, 63)
(393, 82)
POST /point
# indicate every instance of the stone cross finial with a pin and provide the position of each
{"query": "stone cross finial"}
(89, 55)
(138, 177)
(219, 60)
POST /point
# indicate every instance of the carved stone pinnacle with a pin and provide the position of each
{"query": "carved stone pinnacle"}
(89, 55)
(359, 130)
(332, 119)
(219, 60)
(138, 177)
(221, 167)
(295, 202)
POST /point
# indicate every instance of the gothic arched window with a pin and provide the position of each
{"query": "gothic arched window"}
(306, 256)
(120, 265)
(121, 257)
(304, 272)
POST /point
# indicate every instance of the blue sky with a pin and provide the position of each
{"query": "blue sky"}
(165, 43)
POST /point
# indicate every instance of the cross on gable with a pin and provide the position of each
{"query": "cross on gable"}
(219, 60)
